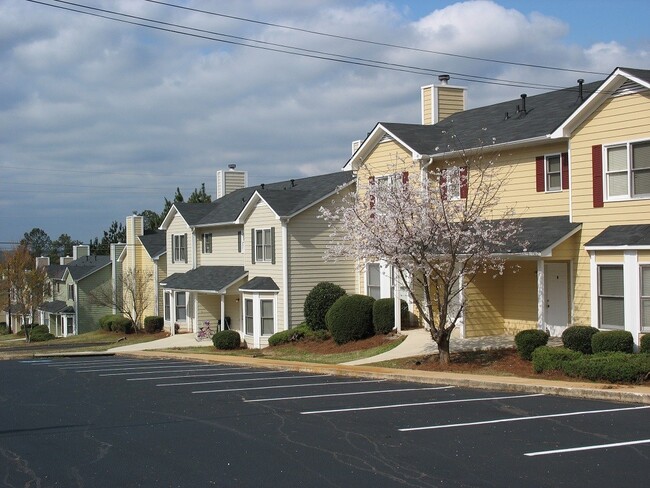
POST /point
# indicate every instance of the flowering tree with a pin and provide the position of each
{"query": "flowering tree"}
(438, 228)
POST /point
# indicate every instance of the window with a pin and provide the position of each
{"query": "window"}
(268, 319)
(240, 241)
(70, 292)
(645, 298)
(373, 281)
(167, 306)
(181, 306)
(610, 297)
(453, 183)
(179, 243)
(263, 245)
(627, 170)
(248, 316)
(206, 243)
(553, 172)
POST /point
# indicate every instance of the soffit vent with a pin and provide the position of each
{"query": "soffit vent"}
(628, 88)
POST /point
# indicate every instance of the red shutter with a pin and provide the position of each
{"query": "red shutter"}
(405, 177)
(463, 181)
(443, 184)
(597, 171)
(539, 173)
(371, 182)
(565, 171)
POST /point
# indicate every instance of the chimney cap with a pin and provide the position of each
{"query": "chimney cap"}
(232, 166)
(443, 79)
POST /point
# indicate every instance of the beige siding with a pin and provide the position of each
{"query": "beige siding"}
(224, 247)
(178, 226)
(620, 119)
(234, 181)
(308, 240)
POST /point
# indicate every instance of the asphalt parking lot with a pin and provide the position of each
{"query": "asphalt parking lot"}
(115, 421)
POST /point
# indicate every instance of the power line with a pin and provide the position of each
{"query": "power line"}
(375, 43)
(285, 49)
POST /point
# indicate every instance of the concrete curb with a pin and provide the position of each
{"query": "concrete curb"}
(592, 391)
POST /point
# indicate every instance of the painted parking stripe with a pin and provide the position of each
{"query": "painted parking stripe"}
(420, 404)
(241, 379)
(188, 369)
(203, 375)
(519, 419)
(131, 368)
(289, 386)
(369, 392)
(587, 448)
(79, 367)
(91, 362)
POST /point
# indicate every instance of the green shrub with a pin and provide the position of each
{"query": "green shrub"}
(153, 324)
(383, 314)
(40, 333)
(106, 322)
(578, 338)
(123, 325)
(290, 335)
(350, 318)
(615, 367)
(529, 340)
(644, 346)
(318, 302)
(4, 328)
(226, 339)
(547, 358)
(612, 341)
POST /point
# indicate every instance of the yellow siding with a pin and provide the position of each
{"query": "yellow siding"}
(609, 257)
(427, 104)
(308, 239)
(644, 256)
(620, 119)
(450, 100)
(387, 158)
(484, 309)
(520, 296)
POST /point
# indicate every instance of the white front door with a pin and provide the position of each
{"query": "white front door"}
(556, 292)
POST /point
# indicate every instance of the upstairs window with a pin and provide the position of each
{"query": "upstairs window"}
(206, 243)
(70, 292)
(179, 251)
(453, 183)
(263, 245)
(553, 171)
(627, 171)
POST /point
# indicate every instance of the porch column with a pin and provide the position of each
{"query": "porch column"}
(223, 312)
(631, 294)
(541, 296)
(397, 302)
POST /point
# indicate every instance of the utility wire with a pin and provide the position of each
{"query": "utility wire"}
(281, 48)
(376, 43)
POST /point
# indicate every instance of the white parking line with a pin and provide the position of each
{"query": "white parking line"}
(370, 392)
(140, 367)
(243, 379)
(518, 419)
(587, 448)
(419, 404)
(289, 386)
(193, 368)
(202, 375)
(95, 362)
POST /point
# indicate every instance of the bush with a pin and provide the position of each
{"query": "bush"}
(40, 333)
(318, 302)
(578, 338)
(383, 314)
(615, 367)
(106, 321)
(529, 340)
(4, 328)
(226, 339)
(123, 325)
(547, 358)
(290, 335)
(153, 324)
(644, 346)
(612, 341)
(350, 318)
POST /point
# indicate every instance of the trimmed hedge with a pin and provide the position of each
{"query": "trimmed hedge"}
(578, 338)
(116, 323)
(350, 318)
(644, 345)
(529, 340)
(290, 335)
(4, 328)
(612, 341)
(547, 358)
(40, 333)
(153, 324)
(318, 302)
(383, 314)
(615, 367)
(226, 339)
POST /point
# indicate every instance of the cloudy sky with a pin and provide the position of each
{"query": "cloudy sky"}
(100, 118)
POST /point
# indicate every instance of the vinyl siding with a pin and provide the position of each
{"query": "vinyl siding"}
(179, 226)
(89, 313)
(484, 306)
(427, 103)
(520, 297)
(309, 237)
(450, 101)
(387, 158)
(224, 247)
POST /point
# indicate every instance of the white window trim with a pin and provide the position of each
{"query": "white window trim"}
(264, 258)
(257, 299)
(206, 243)
(547, 189)
(452, 181)
(599, 296)
(177, 256)
(630, 173)
(642, 264)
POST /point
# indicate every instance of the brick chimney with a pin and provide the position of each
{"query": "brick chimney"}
(442, 100)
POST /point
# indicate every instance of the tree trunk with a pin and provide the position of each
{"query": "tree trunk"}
(441, 337)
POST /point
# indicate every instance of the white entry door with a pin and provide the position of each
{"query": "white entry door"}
(556, 278)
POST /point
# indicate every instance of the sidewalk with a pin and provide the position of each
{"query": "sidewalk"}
(177, 340)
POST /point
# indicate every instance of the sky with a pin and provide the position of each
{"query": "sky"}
(100, 118)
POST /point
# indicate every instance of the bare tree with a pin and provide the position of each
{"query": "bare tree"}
(437, 228)
(136, 294)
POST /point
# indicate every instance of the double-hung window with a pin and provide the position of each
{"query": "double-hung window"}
(553, 172)
(248, 316)
(267, 317)
(611, 302)
(645, 298)
(179, 244)
(167, 305)
(70, 292)
(627, 170)
(181, 306)
(263, 245)
(373, 281)
(206, 243)
(452, 180)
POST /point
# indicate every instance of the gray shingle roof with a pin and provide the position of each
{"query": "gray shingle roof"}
(55, 306)
(540, 233)
(260, 283)
(87, 265)
(484, 126)
(622, 235)
(285, 197)
(55, 271)
(154, 242)
(205, 278)
(642, 74)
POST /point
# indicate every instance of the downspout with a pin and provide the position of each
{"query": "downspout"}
(285, 273)
(156, 291)
(194, 253)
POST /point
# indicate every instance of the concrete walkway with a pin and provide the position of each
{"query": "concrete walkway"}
(171, 342)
